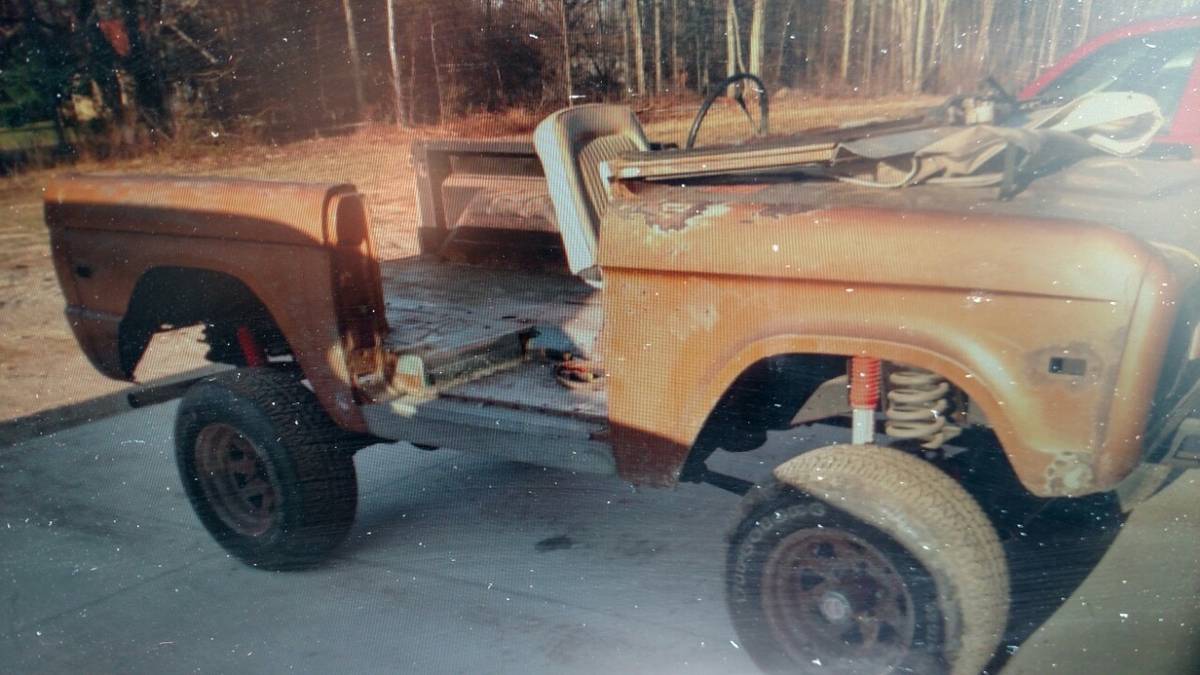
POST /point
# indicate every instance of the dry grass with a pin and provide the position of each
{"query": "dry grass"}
(40, 364)
(789, 114)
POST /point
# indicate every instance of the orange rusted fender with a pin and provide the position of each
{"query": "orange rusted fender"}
(700, 285)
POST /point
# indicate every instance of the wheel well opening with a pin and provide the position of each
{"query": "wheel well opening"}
(765, 397)
(168, 298)
(780, 392)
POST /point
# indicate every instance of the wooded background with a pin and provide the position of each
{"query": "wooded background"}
(112, 74)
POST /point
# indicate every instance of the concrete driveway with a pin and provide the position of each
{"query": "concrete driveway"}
(463, 564)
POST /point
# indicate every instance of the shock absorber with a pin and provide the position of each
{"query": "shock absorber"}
(864, 398)
(917, 407)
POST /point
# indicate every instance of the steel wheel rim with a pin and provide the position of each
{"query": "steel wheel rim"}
(830, 595)
(237, 479)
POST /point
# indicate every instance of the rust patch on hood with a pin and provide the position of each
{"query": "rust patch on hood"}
(673, 216)
(785, 209)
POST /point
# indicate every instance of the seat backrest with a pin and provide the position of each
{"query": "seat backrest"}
(572, 144)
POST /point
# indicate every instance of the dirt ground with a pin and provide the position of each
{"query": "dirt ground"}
(41, 367)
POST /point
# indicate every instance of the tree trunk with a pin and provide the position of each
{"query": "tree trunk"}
(360, 101)
(639, 57)
(322, 97)
(812, 52)
(870, 52)
(785, 23)
(733, 46)
(626, 69)
(847, 38)
(941, 12)
(397, 94)
(412, 76)
(1085, 21)
(675, 71)
(566, 44)
(986, 13)
(757, 22)
(437, 71)
(658, 72)
(1030, 44)
(1052, 31)
(918, 79)
(699, 52)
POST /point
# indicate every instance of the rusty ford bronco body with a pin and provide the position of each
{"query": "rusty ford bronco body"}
(1020, 269)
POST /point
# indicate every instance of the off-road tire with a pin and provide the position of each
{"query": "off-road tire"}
(939, 544)
(303, 457)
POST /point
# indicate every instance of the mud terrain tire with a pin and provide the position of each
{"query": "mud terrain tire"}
(270, 476)
(863, 559)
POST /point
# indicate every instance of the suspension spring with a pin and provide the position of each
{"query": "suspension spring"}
(917, 408)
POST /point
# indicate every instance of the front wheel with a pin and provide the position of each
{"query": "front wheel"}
(863, 559)
(269, 475)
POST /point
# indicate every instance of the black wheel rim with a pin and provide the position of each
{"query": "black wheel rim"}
(237, 480)
(831, 597)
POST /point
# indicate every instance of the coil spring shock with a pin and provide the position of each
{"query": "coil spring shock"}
(917, 406)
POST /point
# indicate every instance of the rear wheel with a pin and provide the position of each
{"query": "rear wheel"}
(270, 476)
(867, 561)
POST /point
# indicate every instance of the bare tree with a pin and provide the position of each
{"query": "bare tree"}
(785, 28)
(918, 78)
(566, 45)
(730, 38)
(903, 24)
(987, 10)
(675, 74)
(499, 55)
(658, 72)
(1051, 31)
(757, 21)
(437, 71)
(869, 61)
(847, 37)
(625, 67)
(635, 21)
(1085, 20)
(397, 95)
(733, 42)
(360, 101)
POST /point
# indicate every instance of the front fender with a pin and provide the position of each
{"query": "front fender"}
(688, 308)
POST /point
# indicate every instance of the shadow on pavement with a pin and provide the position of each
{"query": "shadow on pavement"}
(1052, 545)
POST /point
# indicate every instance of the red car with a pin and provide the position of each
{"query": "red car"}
(1157, 58)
